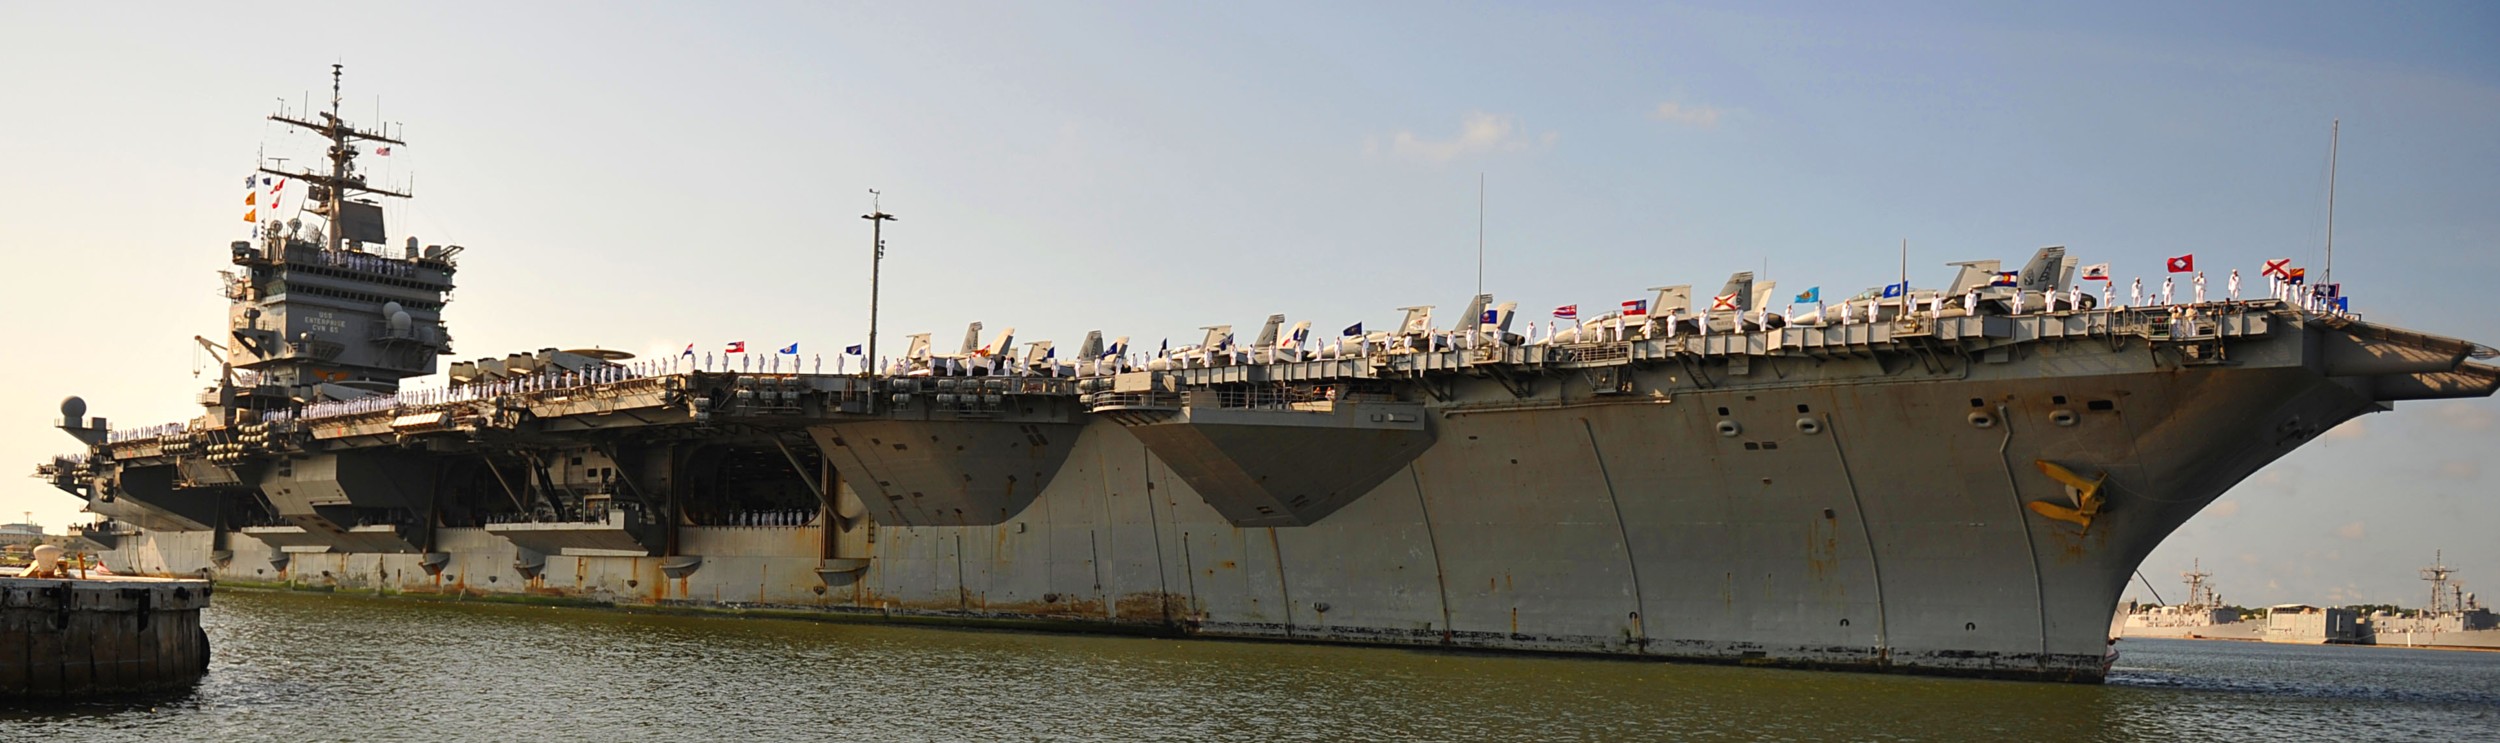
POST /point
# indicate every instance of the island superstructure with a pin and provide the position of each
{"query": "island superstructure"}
(1955, 481)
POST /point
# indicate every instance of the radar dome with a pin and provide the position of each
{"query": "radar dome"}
(73, 408)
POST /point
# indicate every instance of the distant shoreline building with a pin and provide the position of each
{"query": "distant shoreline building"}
(28, 534)
(2310, 625)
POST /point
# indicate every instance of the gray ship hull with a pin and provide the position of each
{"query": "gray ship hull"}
(1814, 499)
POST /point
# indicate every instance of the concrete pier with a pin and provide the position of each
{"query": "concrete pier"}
(100, 635)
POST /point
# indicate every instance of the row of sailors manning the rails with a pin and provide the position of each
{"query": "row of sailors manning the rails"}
(1741, 306)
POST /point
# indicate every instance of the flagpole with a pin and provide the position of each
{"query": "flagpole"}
(2334, 140)
(1480, 233)
(1905, 277)
(877, 218)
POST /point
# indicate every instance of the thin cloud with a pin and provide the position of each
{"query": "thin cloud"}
(2353, 531)
(1694, 115)
(1478, 132)
(2467, 416)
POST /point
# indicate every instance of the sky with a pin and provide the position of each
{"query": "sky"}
(643, 177)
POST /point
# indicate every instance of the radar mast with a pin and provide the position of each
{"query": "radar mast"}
(331, 189)
(2441, 578)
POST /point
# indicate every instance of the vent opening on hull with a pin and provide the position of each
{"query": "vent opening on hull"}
(2101, 406)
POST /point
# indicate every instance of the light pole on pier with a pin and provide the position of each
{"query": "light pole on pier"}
(877, 218)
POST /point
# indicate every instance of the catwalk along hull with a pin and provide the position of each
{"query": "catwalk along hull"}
(1851, 497)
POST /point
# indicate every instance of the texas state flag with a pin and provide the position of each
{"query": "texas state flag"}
(737, 347)
(2183, 264)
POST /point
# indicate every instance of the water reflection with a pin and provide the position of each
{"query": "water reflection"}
(303, 667)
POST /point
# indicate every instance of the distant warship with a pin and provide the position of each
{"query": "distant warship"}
(1954, 481)
(2454, 618)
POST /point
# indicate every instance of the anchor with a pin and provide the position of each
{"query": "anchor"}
(2085, 493)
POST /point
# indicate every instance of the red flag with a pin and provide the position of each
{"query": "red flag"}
(1637, 307)
(1568, 312)
(737, 347)
(2183, 264)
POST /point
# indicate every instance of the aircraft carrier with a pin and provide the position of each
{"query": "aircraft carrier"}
(1954, 481)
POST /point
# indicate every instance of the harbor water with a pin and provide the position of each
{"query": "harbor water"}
(306, 667)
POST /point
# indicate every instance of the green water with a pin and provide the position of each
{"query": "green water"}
(307, 667)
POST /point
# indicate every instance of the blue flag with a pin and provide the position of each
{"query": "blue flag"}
(1893, 291)
(1354, 329)
(792, 349)
(1492, 316)
(1810, 295)
(852, 350)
